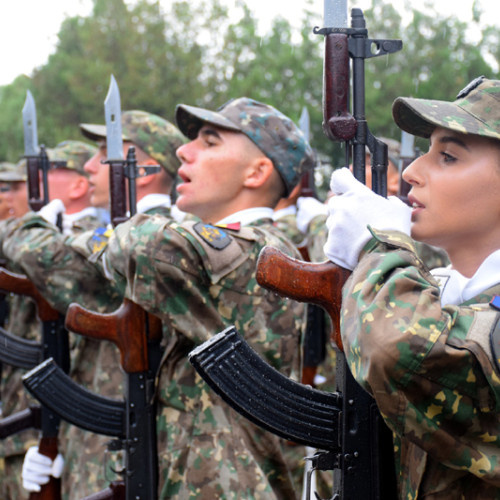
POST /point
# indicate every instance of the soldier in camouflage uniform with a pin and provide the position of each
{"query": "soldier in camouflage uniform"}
(199, 278)
(68, 182)
(426, 344)
(64, 269)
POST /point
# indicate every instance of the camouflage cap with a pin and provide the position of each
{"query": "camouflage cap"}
(476, 110)
(71, 155)
(10, 172)
(273, 133)
(156, 136)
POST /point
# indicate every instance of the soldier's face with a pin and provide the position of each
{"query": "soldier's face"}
(212, 171)
(454, 193)
(98, 178)
(17, 199)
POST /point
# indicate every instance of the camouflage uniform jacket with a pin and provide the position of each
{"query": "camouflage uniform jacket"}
(63, 269)
(286, 221)
(199, 280)
(430, 369)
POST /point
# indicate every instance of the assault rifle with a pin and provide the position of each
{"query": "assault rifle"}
(346, 425)
(22, 353)
(131, 421)
(137, 334)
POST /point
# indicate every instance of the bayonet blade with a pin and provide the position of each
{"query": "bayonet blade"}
(113, 115)
(304, 123)
(29, 126)
(335, 13)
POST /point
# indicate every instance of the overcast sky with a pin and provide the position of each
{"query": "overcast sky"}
(28, 28)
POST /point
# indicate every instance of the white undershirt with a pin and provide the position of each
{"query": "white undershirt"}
(456, 288)
(247, 216)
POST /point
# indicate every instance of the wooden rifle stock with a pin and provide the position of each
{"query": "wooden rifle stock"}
(125, 327)
(317, 283)
(19, 284)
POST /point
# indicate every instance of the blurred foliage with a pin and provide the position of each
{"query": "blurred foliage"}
(196, 53)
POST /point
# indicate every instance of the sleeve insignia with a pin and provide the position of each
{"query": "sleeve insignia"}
(99, 239)
(214, 236)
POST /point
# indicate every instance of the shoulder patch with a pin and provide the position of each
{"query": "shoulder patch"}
(213, 235)
(99, 239)
(495, 302)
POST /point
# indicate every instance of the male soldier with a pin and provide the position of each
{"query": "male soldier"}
(14, 191)
(200, 278)
(59, 266)
(67, 182)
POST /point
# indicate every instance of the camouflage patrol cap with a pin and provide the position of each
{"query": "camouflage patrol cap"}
(10, 172)
(71, 155)
(476, 110)
(156, 136)
(273, 133)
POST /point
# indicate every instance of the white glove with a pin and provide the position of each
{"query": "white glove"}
(351, 210)
(307, 209)
(38, 468)
(50, 211)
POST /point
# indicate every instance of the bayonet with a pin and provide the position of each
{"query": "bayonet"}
(30, 126)
(112, 115)
(36, 159)
(115, 158)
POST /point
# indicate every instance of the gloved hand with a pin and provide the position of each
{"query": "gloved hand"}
(38, 468)
(307, 209)
(351, 210)
(50, 211)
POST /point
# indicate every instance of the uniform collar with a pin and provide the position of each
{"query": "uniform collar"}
(247, 216)
(456, 288)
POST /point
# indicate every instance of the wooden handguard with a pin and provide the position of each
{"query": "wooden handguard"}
(315, 283)
(125, 327)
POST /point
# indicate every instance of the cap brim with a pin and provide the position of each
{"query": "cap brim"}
(96, 132)
(190, 119)
(12, 177)
(421, 116)
(92, 131)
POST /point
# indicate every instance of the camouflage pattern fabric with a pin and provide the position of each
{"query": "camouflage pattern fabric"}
(288, 226)
(71, 155)
(64, 276)
(475, 111)
(316, 236)
(174, 271)
(434, 380)
(273, 133)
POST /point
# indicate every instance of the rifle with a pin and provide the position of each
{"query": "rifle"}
(360, 442)
(132, 421)
(137, 335)
(54, 345)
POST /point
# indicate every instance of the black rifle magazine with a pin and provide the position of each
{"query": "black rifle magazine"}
(55, 390)
(264, 396)
(19, 352)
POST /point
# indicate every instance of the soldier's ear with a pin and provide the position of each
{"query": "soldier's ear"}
(258, 172)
